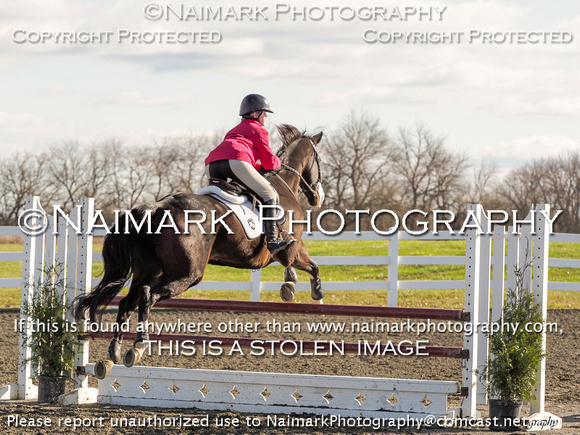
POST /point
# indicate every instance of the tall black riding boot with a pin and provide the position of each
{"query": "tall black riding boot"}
(275, 244)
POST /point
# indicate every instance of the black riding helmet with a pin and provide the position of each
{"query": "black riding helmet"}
(254, 103)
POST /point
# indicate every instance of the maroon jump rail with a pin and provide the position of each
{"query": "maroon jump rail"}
(304, 345)
(334, 309)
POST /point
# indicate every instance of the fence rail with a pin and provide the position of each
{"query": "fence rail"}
(392, 260)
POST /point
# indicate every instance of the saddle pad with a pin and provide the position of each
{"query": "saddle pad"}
(244, 210)
(247, 215)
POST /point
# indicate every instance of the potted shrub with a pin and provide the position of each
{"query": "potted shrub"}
(517, 355)
(52, 339)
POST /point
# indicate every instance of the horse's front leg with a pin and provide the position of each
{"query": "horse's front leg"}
(290, 280)
(305, 263)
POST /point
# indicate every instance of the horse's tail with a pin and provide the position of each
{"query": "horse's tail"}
(122, 251)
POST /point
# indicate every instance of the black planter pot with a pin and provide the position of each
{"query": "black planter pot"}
(503, 414)
(50, 388)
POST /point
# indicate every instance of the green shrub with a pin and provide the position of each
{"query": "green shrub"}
(53, 339)
(517, 354)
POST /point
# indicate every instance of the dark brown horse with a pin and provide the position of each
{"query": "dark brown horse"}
(165, 265)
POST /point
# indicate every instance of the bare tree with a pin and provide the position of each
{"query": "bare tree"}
(130, 175)
(67, 166)
(21, 175)
(81, 171)
(429, 175)
(522, 187)
(554, 181)
(355, 164)
(178, 164)
(98, 170)
(163, 161)
(563, 179)
(355, 161)
(483, 186)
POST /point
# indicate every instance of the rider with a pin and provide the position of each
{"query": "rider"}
(244, 151)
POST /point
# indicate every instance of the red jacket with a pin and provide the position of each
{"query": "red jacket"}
(249, 142)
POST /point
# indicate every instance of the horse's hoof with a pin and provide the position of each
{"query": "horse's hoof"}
(103, 368)
(115, 351)
(133, 356)
(287, 292)
(317, 294)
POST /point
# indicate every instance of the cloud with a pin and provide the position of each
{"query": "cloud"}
(59, 90)
(315, 67)
(20, 130)
(136, 98)
(533, 147)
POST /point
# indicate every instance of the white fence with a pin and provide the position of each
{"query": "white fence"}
(391, 259)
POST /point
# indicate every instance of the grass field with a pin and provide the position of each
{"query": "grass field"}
(10, 297)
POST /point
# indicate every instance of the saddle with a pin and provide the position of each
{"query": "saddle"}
(230, 191)
(242, 201)
(231, 188)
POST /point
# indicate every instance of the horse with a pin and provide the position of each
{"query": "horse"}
(165, 263)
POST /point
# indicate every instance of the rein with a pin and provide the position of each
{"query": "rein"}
(286, 184)
(291, 169)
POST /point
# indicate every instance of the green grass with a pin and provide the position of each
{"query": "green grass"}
(10, 297)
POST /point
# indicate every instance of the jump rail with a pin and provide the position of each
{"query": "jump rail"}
(308, 309)
(334, 309)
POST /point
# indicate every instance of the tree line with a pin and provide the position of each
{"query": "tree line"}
(364, 167)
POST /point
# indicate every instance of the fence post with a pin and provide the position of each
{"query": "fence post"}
(393, 271)
(84, 277)
(79, 260)
(71, 260)
(61, 257)
(472, 273)
(498, 264)
(256, 279)
(50, 250)
(540, 289)
(498, 283)
(526, 248)
(31, 272)
(484, 298)
(513, 257)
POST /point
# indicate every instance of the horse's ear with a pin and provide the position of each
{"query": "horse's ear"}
(316, 139)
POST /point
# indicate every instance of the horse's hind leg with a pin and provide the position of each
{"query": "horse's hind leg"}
(126, 308)
(148, 297)
(305, 263)
(132, 356)
(290, 280)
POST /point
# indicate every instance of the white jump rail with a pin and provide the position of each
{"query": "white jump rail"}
(271, 393)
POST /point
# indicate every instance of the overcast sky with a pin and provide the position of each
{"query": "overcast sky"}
(505, 102)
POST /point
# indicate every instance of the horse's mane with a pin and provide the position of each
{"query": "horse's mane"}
(288, 134)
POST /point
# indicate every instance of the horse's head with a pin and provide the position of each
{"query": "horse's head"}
(299, 155)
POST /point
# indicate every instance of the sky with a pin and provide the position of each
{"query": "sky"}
(493, 99)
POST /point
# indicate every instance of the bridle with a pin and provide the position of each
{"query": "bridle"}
(314, 187)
